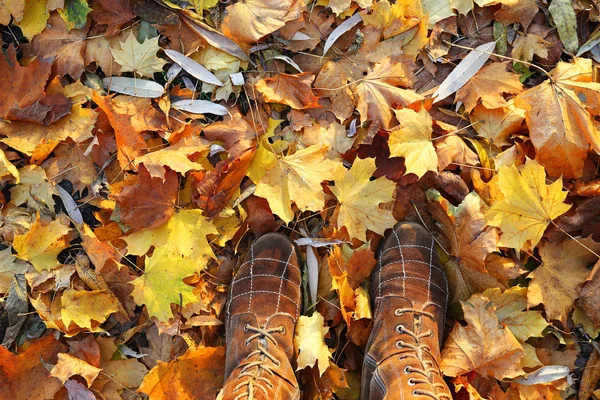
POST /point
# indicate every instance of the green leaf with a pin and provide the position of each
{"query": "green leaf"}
(565, 20)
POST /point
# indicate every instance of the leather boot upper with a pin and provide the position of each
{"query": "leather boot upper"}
(262, 310)
(410, 293)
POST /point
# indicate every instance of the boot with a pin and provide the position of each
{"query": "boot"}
(262, 310)
(410, 294)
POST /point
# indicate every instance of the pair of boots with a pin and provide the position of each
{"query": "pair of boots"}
(409, 294)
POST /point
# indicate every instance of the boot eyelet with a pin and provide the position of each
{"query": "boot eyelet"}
(414, 393)
(397, 312)
(406, 370)
(246, 343)
(400, 328)
(411, 382)
(277, 363)
(246, 326)
(399, 344)
(282, 329)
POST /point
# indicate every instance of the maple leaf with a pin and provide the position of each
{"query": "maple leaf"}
(64, 46)
(377, 92)
(202, 364)
(113, 14)
(139, 58)
(150, 202)
(510, 309)
(24, 376)
(560, 126)
(292, 90)
(129, 117)
(24, 97)
(38, 141)
(71, 164)
(488, 86)
(483, 345)
(68, 366)
(452, 150)
(42, 244)
(9, 266)
(333, 134)
(81, 307)
(526, 46)
(304, 171)
(412, 140)
(498, 124)
(35, 189)
(250, 20)
(527, 205)
(393, 19)
(556, 282)
(359, 199)
(16, 8)
(184, 235)
(310, 344)
(175, 157)
(162, 284)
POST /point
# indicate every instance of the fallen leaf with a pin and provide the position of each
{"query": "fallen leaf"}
(35, 189)
(304, 170)
(75, 13)
(309, 341)
(468, 347)
(42, 244)
(412, 140)
(197, 374)
(24, 376)
(112, 13)
(359, 199)
(82, 306)
(149, 202)
(68, 366)
(139, 58)
(497, 125)
(292, 90)
(564, 17)
(556, 282)
(526, 197)
(488, 86)
(251, 20)
(162, 284)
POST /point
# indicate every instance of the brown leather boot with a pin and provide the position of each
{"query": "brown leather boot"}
(263, 307)
(410, 294)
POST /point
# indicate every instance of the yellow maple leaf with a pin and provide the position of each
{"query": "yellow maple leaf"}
(412, 140)
(498, 124)
(483, 345)
(359, 199)
(310, 344)
(174, 157)
(34, 18)
(162, 284)
(394, 19)
(35, 189)
(528, 205)
(556, 282)
(42, 244)
(297, 178)
(184, 235)
(510, 309)
(378, 92)
(139, 58)
(68, 366)
(83, 306)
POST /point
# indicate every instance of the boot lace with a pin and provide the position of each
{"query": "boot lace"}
(251, 373)
(427, 370)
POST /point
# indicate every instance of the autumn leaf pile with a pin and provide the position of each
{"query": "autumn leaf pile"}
(145, 144)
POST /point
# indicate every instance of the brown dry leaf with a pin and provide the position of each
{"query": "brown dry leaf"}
(24, 376)
(204, 364)
(292, 90)
(453, 151)
(522, 11)
(525, 47)
(251, 20)
(68, 366)
(129, 117)
(557, 281)
(149, 202)
(65, 47)
(69, 163)
(35, 190)
(112, 13)
(488, 86)
(497, 125)
(468, 347)
(24, 97)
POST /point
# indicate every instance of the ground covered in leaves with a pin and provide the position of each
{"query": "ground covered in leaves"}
(145, 144)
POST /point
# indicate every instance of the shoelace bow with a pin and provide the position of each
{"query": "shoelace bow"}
(427, 369)
(252, 370)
